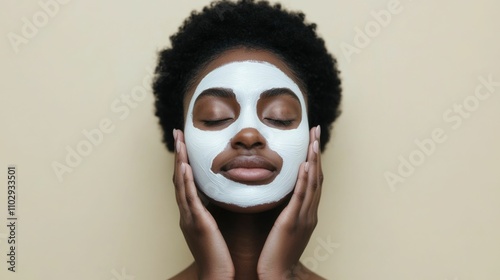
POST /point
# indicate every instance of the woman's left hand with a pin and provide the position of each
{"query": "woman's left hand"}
(293, 228)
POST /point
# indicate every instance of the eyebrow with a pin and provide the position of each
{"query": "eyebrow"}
(217, 92)
(228, 93)
(279, 91)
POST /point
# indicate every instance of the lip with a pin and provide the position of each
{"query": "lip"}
(249, 170)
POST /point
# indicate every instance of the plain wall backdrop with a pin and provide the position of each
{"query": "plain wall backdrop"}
(412, 180)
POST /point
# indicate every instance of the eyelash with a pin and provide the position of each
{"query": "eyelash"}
(215, 122)
(280, 123)
(274, 122)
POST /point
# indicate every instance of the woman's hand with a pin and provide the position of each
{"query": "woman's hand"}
(290, 234)
(212, 257)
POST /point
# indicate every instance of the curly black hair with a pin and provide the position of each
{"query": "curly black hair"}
(226, 25)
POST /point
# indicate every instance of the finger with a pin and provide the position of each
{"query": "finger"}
(176, 176)
(179, 180)
(313, 152)
(299, 192)
(182, 160)
(191, 198)
(196, 207)
(319, 171)
(313, 185)
(318, 138)
(308, 190)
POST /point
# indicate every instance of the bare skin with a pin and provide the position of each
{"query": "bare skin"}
(260, 242)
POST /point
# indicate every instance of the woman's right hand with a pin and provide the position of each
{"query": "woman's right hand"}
(209, 249)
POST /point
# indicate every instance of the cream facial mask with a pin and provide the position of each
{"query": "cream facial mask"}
(248, 80)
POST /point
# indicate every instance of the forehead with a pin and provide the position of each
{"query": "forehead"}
(247, 80)
(240, 55)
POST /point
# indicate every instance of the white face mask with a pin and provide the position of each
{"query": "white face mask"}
(248, 80)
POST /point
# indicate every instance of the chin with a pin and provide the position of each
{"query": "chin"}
(251, 209)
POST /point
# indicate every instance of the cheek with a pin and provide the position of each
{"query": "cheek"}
(291, 145)
(203, 146)
(290, 140)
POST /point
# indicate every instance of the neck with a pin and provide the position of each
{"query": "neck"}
(245, 235)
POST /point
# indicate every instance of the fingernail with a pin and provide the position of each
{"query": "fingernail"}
(174, 133)
(183, 168)
(316, 146)
(318, 132)
(306, 167)
(178, 146)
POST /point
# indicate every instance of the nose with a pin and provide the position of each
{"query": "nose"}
(248, 138)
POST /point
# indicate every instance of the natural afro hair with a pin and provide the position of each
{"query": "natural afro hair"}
(225, 25)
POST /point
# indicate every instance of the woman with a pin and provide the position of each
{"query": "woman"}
(250, 93)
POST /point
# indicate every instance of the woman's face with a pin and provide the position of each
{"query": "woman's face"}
(246, 130)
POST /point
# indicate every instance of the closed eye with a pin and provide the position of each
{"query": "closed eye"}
(218, 122)
(279, 123)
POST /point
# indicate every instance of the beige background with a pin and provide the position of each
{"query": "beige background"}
(114, 216)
